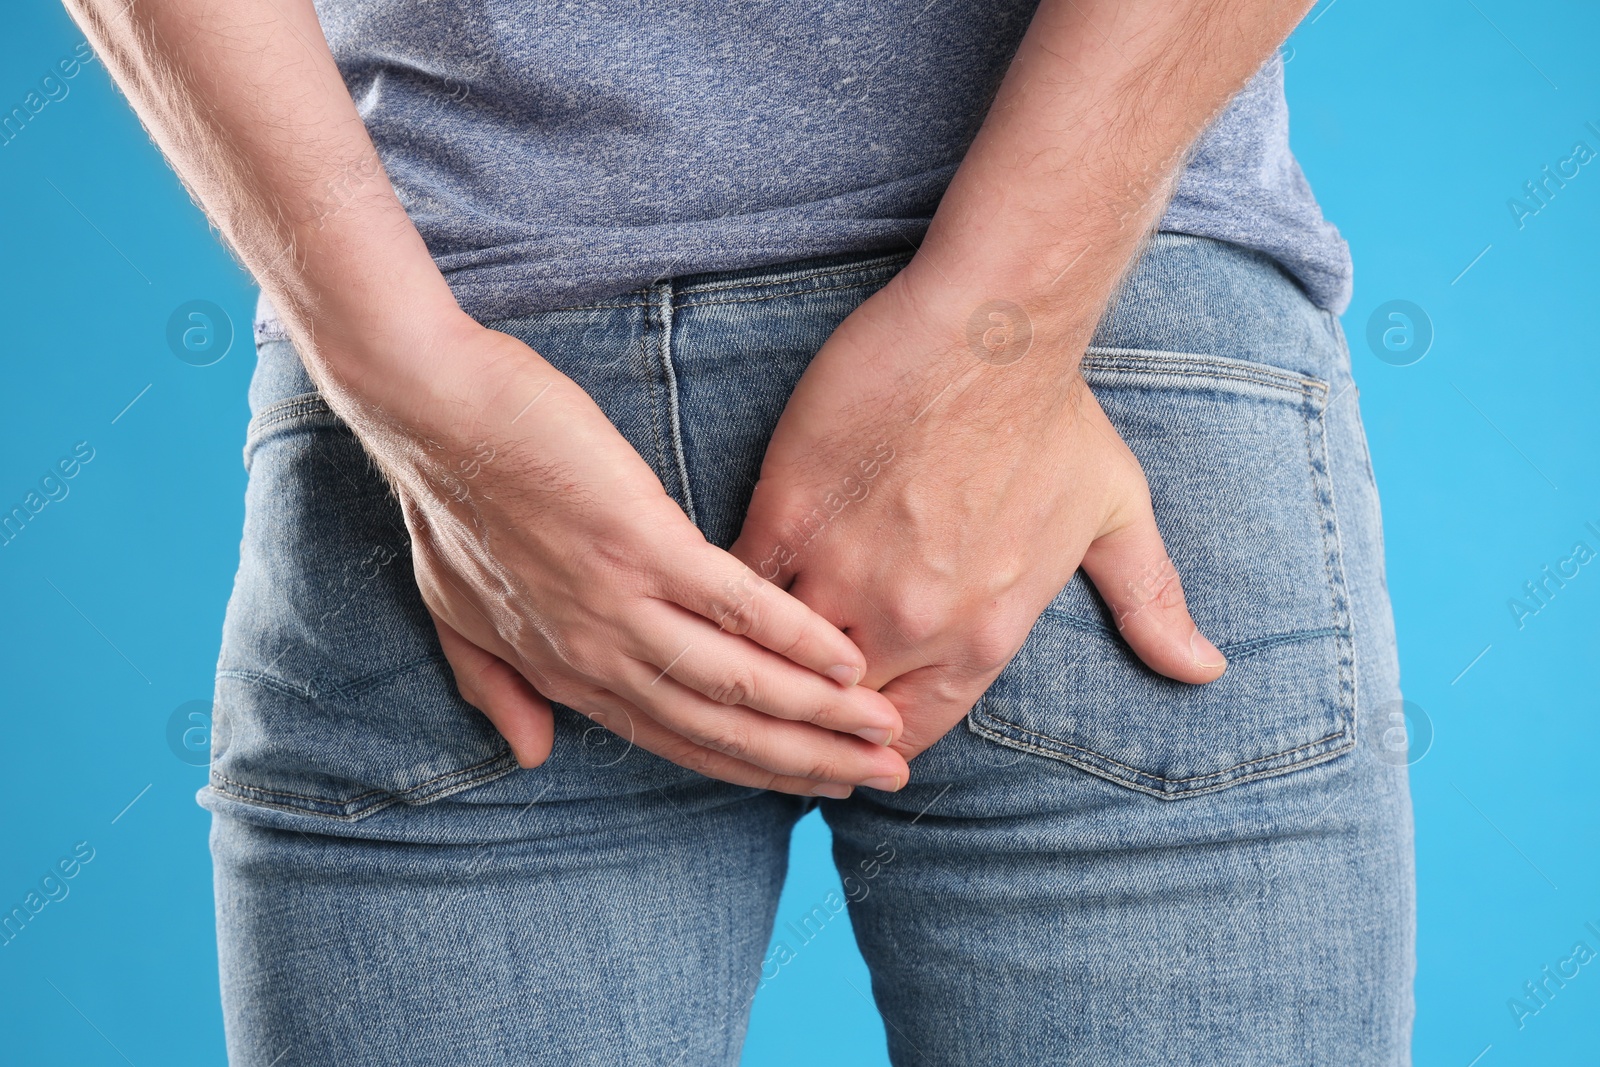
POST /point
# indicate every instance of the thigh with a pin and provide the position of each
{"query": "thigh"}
(627, 932)
(391, 887)
(1103, 866)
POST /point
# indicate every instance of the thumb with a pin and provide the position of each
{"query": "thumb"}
(1134, 575)
(494, 687)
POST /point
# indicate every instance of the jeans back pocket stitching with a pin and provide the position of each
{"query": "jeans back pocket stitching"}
(1133, 782)
(1333, 561)
(1222, 774)
(1236, 651)
(311, 691)
(497, 766)
(1184, 364)
(1314, 394)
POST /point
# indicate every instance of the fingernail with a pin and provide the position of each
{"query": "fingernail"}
(876, 734)
(845, 676)
(1203, 652)
(834, 790)
(888, 783)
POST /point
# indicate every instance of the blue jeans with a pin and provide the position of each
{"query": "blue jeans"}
(1100, 866)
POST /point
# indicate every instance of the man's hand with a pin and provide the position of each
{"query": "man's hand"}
(933, 483)
(994, 473)
(557, 568)
(555, 564)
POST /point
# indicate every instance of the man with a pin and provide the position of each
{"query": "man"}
(611, 368)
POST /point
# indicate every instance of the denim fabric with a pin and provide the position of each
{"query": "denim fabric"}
(555, 153)
(1099, 867)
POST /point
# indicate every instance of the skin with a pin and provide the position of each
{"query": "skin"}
(555, 565)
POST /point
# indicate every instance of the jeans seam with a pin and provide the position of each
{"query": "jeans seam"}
(498, 766)
(1333, 548)
(1158, 362)
(874, 262)
(291, 408)
(1136, 772)
(355, 687)
(1235, 651)
(864, 283)
(663, 308)
(651, 314)
(398, 794)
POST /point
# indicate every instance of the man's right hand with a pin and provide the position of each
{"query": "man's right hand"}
(556, 567)
(555, 564)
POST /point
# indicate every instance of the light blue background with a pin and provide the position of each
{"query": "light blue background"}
(1416, 124)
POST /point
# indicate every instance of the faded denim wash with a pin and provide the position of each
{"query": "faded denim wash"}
(1100, 866)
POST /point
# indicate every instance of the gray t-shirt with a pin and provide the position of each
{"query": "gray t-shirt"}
(555, 152)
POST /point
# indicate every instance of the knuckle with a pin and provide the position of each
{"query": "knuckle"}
(694, 758)
(823, 769)
(737, 686)
(564, 691)
(989, 648)
(736, 611)
(581, 660)
(1157, 587)
(916, 618)
(1169, 594)
(466, 692)
(826, 713)
(729, 740)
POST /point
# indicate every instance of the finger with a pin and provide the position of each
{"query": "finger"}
(494, 687)
(742, 602)
(735, 671)
(635, 727)
(890, 651)
(933, 699)
(1134, 575)
(780, 746)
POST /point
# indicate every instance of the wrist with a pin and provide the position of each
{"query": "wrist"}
(1002, 313)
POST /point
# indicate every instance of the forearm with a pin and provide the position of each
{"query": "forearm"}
(1082, 148)
(244, 99)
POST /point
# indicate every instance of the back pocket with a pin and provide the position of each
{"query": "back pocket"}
(1235, 455)
(333, 697)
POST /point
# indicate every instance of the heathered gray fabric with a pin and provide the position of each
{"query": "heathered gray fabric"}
(555, 152)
